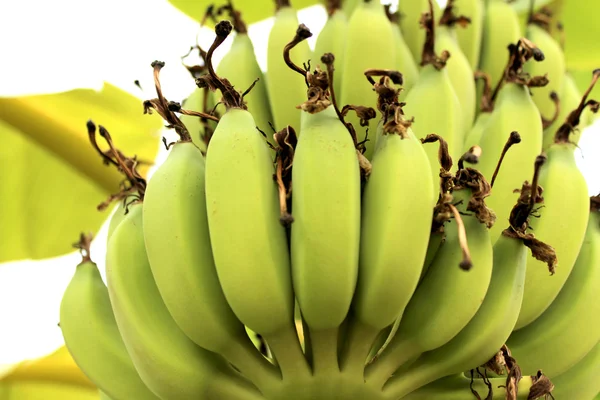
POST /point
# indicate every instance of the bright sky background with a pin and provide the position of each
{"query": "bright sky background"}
(57, 45)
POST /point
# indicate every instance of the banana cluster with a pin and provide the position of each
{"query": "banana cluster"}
(416, 226)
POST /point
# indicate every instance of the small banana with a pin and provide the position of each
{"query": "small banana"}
(389, 269)
(88, 326)
(562, 221)
(566, 332)
(514, 110)
(469, 38)
(168, 362)
(332, 38)
(581, 381)
(249, 244)
(553, 65)
(325, 235)
(405, 62)
(458, 66)
(410, 23)
(284, 90)
(487, 331)
(434, 105)
(438, 311)
(239, 65)
(362, 52)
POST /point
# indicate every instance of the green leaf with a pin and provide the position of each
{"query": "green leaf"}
(51, 179)
(252, 10)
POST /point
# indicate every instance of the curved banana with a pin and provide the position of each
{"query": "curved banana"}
(493, 323)
(175, 213)
(239, 65)
(434, 105)
(469, 38)
(581, 381)
(332, 38)
(168, 362)
(446, 299)
(389, 269)
(501, 27)
(562, 221)
(249, 244)
(566, 331)
(93, 339)
(284, 89)
(553, 66)
(459, 71)
(362, 52)
(410, 23)
(325, 235)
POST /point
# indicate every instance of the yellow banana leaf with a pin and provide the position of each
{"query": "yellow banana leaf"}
(51, 179)
(252, 10)
(54, 377)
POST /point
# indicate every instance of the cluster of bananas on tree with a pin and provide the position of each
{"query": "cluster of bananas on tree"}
(415, 227)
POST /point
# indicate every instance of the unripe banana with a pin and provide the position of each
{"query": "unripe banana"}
(500, 28)
(469, 37)
(405, 62)
(562, 221)
(411, 12)
(570, 95)
(487, 331)
(242, 70)
(581, 381)
(168, 362)
(389, 270)
(93, 339)
(566, 331)
(446, 299)
(460, 74)
(362, 52)
(175, 212)
(332, 39)
(284, 89)
(199, 100)
(553, 66)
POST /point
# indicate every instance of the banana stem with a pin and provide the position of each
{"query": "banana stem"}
(394, 356)
(324, 351)
(466, 262)
(359, 341)
(514, 138)
(287, 351)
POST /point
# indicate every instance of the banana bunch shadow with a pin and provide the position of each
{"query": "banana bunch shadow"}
(319, 263)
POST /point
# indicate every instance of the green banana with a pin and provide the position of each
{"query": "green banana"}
(569, 100)
(362, 52)
(562, 221)
(473, 136)
(325, 235)
(553, 66)
(434, 105)
(405, 62)
(168, 362)
(332, 38)
(175, 211)
(284, 90)
(581, 381)
(514, 110)
(500, 28)
(487, 331)
(448, 296)
(410, 23)
(348, 6)
(90, 331)
(564, 333)
(242, 70)
(389, 269)
(243, 214)
(458, 66)
(469, 38)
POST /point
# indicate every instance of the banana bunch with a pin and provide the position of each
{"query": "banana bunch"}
(365, 223)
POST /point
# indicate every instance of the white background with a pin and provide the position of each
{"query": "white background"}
(50, 46)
